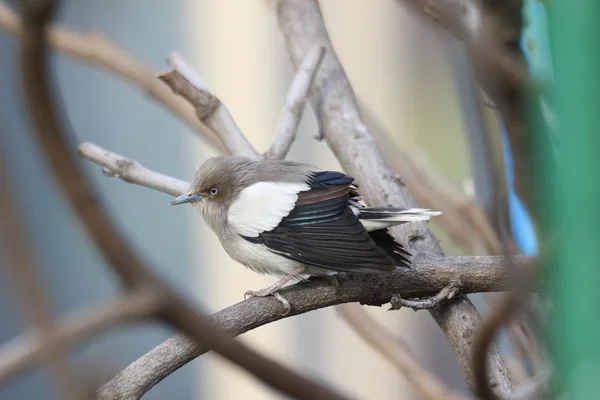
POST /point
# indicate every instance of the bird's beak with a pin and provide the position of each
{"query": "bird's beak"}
(186, 198)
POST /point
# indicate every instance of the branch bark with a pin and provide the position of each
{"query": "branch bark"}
(117, 166)
(427, 277)
(333, 100)
(187, 83)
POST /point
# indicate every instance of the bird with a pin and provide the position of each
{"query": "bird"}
(292, 220)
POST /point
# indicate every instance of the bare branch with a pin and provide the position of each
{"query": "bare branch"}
(397, 352)
(287, 127)
(131, 171)
(96, 49)
(186, 82)
(116, 250)
(335, 105)
(427, 277)
(28, 348)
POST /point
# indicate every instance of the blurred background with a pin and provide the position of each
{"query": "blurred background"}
(414, 86)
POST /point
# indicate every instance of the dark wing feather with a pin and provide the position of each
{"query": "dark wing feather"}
(394, 249)
(323, 231)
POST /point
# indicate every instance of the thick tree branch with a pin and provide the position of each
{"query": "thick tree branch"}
(287, 127)
(475, 274)
(186, 82)
(335, 105)
(133, 272)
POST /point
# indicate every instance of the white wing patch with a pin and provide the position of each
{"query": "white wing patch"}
(260, 207)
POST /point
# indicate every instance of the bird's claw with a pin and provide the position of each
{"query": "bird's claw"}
(265, 293)
(447, 293)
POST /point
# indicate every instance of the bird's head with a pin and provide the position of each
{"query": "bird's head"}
(216, 183)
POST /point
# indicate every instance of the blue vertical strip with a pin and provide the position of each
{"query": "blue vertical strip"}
(535, 46)
(521, 225)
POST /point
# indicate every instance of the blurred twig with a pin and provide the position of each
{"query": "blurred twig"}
(29, 348)
(129, 267)
(31, 293)
(397, 352)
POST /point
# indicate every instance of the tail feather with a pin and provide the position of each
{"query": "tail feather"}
(381, 218)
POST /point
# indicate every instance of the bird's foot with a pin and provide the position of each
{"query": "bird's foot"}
(274, 289)
(446, 293)
(269, 292)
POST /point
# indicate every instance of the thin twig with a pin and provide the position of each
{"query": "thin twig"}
(186, 82)
(287, 127)
(117, 166)
(396, 351)
(110, 242)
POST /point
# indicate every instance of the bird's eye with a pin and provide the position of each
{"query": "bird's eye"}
(214, 191)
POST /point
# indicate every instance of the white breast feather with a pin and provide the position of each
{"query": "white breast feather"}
(261, 206)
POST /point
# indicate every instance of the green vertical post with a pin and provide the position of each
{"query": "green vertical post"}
(575, 272)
